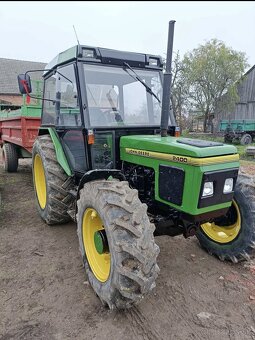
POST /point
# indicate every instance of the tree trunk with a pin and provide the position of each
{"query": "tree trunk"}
(206, 119)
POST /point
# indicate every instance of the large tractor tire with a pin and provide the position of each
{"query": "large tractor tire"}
(51, 183)
(117, 243)
(10, 157)
(232, 237)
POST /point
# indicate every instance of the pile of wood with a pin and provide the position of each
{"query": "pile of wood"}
(250, 151)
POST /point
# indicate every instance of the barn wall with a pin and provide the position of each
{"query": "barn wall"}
(245, 108)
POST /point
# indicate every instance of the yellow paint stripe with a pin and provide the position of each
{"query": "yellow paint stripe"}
(184, 159)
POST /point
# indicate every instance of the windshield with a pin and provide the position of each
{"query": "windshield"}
(117, 98)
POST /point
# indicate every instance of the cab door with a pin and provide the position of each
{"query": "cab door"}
(69, 119)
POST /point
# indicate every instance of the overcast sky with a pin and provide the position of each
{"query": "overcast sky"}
(39, 30)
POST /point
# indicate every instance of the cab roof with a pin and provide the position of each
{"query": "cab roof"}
(101, 55)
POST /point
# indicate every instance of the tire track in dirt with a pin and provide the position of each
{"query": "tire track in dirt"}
(141, 326)
(174, 300)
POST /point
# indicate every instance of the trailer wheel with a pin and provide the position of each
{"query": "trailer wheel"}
(10, 157)
(246, 139)
(51, 183)
(232, 237)
(116, 242)
(228, 139)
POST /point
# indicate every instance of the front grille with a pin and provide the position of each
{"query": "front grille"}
(171, 184)
(218, 178)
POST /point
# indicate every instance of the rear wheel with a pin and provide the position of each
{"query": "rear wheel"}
(116, 242)
(227, 139)
(232, 237)
(246, 139)
(10, 157)
(51, 183)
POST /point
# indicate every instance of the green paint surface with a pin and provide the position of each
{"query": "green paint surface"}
(98, 242)
(193, 174)
(61, 158)
(62, 57)
(170, 145)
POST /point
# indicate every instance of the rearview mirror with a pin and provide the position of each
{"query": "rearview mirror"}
(24, 84)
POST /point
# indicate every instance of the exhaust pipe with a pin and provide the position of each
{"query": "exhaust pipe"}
(167, 80)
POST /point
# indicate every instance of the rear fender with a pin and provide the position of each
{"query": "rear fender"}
(61, 157)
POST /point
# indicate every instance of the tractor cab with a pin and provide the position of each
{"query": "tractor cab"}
(93, 96)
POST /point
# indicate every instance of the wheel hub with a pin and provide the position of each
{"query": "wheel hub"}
(101, 242)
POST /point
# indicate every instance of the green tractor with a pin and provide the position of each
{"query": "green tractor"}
(108, 156)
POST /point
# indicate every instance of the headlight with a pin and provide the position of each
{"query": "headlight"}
(208, 189)
(228, 185)
(153, 61)
(88, 53)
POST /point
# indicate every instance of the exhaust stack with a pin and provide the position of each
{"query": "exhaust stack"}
(167, 80)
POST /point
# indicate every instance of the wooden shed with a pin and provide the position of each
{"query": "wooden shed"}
(245, 107)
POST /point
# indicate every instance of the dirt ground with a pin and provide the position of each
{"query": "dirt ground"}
(44, 293)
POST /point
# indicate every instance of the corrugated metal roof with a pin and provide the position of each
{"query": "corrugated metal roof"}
(9, 70)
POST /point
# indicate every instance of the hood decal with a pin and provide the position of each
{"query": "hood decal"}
(183, 159)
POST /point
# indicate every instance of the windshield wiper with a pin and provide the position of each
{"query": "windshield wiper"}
(148, 89)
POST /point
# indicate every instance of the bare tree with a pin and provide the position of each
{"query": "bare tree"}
(211, 71)
(179, 93)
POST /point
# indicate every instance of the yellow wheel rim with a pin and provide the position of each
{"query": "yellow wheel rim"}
(221, 233)
(100, 263)
(40, 182)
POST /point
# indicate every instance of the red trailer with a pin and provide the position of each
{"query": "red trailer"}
(18, 130)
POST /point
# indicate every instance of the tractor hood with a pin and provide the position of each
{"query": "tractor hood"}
(195, 148)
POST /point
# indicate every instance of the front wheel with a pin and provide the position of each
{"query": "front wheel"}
(232, 237)
(116, 242)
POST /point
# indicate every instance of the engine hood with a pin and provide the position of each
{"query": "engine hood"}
(177, 146)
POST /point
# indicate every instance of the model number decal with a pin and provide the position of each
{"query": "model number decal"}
(180, 159)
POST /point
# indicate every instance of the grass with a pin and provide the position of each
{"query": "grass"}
(240, 148)
(244, 162)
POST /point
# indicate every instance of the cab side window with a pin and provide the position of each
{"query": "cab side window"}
(49, 106)
(61, 107)
(67, 103)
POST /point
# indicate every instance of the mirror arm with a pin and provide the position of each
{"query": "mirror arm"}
(47, 100)
(34, 97)
(36, 71)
